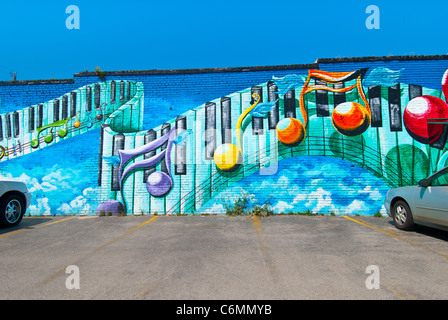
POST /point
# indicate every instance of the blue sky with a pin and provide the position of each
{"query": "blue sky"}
(141, 35)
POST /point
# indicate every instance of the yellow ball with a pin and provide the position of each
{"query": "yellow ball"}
(228, 157)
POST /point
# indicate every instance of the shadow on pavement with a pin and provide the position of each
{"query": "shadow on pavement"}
(26, 223)
(428, 231)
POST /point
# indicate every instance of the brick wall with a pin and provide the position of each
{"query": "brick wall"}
(64, 177)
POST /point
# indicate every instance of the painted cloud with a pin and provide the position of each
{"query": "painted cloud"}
(304, 183)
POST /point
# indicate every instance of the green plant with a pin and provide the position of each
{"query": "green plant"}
(378, 215)
(100, 73)
(102, 214)
(262, 211)
(239, 207)
(306, 213)
(244, 206)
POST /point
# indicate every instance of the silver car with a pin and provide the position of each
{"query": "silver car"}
(14, 200)
(425, 204)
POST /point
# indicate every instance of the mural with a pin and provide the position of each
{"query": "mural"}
(325, 142)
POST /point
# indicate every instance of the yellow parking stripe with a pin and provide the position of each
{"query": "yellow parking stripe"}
(35, 227)
(55, 275)
(395, 235)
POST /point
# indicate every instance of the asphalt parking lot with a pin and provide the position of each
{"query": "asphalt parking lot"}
(220, 257)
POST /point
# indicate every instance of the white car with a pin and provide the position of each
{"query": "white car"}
(425, 204)
(14, 200)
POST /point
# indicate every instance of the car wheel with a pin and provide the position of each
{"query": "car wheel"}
(401, 213)
(12, 208)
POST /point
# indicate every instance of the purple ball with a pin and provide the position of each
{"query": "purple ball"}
(110, 207)
(159, 184)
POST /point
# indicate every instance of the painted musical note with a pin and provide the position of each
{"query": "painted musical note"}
(77, 123)
(49, 137)
(228, 156)
(101, 115)
(89, 122)
(182, 138)
(18, 146)
(158, 183)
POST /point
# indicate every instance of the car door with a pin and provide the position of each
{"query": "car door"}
(432, 204)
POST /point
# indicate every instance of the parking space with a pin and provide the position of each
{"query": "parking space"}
(220, 257)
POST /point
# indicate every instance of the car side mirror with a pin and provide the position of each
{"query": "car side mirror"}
(423, 183)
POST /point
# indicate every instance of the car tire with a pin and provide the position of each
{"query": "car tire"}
(402, 215)
(12, 209)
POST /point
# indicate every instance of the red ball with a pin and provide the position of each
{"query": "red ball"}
(445, 84)
(416, 114)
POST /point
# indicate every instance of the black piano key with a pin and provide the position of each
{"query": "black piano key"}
(121, 91)
(210, 130)
(16, 120)
(64, 106)
(73, 104)
(113, 91)
(89, 98)
(374, 93)
(395, 108)
(31, 119)
(180, 160)
(257, 122)
(415, 91)
(97, 95)
(226, 120)
(56, 110)
(339, 97)
(100, 160)
(441, 141)
(128, 90)
(8, 132)
(150, 136)
(1, 129)
(118, 145)
(322, 107)
(40, 115)
(166, 127)
(289, 101)
(273, 115)
(64, 111)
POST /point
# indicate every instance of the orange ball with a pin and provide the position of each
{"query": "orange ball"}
(290, 131)
(350, 119)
